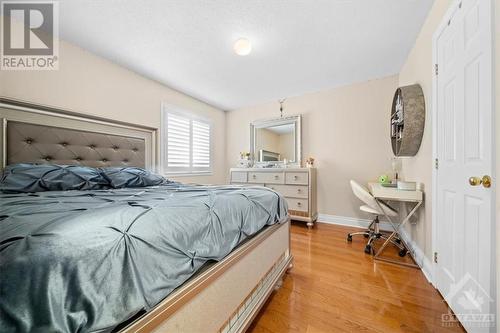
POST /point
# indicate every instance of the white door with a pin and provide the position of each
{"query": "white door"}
(465, 229)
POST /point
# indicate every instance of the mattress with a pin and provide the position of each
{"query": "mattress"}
(85, 261)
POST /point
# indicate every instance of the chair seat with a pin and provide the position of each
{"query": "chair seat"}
(388, 210)
(371, 206)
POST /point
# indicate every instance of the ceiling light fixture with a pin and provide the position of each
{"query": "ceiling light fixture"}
(242, 47)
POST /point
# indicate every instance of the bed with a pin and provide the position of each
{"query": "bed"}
(184, 258)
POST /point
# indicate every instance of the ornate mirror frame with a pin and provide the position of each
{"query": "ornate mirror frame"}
(297, 120)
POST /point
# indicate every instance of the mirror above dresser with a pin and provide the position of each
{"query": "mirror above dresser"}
(276, 142)
(276, 153)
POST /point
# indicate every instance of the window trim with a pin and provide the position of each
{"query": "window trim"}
(181, 112)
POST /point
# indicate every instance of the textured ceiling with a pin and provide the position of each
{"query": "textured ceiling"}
(299, 46)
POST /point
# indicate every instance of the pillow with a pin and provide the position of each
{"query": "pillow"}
(119, 177)
(27, 177)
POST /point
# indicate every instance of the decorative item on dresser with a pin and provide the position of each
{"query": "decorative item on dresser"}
(297, 185)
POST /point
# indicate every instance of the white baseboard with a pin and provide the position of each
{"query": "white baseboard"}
(422, 261)
(350, 221)
(419, 256)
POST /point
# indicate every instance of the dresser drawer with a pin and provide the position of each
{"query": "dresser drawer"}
(239, 177)
(296, 185)
(293, 191)
(266, 177)
(297, 204)
(301, 178)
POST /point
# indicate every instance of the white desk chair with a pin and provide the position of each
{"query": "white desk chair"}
(373, 231)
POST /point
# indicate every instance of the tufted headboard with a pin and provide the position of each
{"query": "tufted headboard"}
(35, 135)
(47, 144)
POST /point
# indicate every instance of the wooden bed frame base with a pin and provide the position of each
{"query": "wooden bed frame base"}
(225, 297)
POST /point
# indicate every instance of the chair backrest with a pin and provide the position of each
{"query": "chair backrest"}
(362, 193)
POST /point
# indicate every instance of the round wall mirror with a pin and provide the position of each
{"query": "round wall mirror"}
(407, 120)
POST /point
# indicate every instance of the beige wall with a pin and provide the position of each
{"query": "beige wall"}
(418, 69)
(92, 85)
(345, 129)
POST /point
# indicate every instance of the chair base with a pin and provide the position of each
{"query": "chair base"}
(373, 233)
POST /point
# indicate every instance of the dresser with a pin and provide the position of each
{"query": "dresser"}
(297, 185)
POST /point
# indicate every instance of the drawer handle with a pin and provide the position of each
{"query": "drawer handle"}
(254, 176)
(276, 177)
(295, 177)
(299, 190)
(299, 204)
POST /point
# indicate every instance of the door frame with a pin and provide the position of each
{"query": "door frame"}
(434, 112)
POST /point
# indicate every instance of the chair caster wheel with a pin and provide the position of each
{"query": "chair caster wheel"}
(349, 238)
(365, 236)
(397, 240)
(402, 253)
(368, 249)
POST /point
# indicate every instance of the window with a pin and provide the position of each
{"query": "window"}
(187, 143)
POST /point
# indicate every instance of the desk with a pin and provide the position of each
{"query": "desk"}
(381, 194)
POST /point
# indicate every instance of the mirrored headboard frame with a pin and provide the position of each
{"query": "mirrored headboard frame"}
(27, 113)
(297, 120)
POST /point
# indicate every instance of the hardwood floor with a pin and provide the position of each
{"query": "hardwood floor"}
(335, 287)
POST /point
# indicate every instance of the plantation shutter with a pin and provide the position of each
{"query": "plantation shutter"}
(187, 142)
(201, 145)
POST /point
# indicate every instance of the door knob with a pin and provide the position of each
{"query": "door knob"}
(475, 181)
(486, 181)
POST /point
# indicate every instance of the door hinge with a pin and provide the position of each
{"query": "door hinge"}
(436, 257)
(436, 69)
(436, 163)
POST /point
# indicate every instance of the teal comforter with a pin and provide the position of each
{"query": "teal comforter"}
(85, 261)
